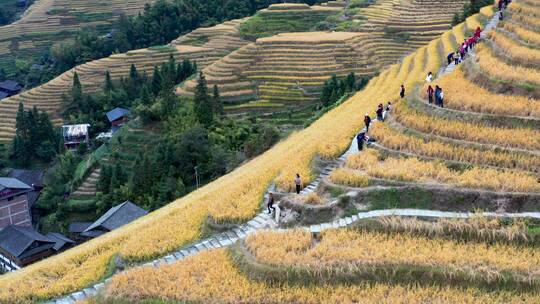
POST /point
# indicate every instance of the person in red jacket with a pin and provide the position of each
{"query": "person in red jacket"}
(477, 33)
(430, 92)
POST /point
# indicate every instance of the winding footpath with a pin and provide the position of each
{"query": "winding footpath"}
(263, 221)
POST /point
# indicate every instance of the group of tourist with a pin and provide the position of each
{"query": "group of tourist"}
(436, 95)
(464, 48)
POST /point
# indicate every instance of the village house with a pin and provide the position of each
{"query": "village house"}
(14, 207)
(10, 87)
(116, 217)
(74, 135)
(20, 246)
(118, 117)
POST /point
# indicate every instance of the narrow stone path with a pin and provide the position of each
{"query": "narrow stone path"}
(489, 26)
(263, 221)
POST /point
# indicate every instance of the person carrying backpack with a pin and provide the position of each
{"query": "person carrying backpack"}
(450, 58)
(430, 93)
(360, 140)
(367, 121)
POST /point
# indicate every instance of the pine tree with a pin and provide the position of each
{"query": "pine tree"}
(20, 120)
(146, 98)
(203, 105)
(108, 86)
(76, 90)
(216, 101)
(156, 81)
(326, 94)
(350, 82)
(133, 74)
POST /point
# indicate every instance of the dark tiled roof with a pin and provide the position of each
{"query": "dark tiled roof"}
(33, 178)
(17, 239)
(12, 183)
(117, 113)
(3, 95)
(78, 227)
(59, 239)
(29, 177)
(118, 216)
(10, 85)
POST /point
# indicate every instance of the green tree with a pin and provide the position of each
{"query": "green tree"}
(108, 86)
(203, 105)
(133, 74)
(216, 102)
(156, 81)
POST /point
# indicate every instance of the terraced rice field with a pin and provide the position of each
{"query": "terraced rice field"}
(424, 264)
(487, 136)
(399, 27)
(287, 70)
(236, 197)
(50, 21)
(221, 39)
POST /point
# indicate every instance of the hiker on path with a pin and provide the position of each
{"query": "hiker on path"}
(437, 94)
(430, 93)
(441, 98)
(500, 5)
(298, 183)
(379, 112)
(450, 58)
(386, 110)
(270, 203)
(457, 58)
(360, 140)
(429, 77)
(402, 92)
(477, 33)
(501, 16)
(367, 121)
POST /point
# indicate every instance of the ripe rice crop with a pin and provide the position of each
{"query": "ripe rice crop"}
(462, 94)
(392, 139)
(343, 177)
(514, 50)
(504, 137)
(415, 170)
(524, 9)
(211, 277)
(523, 33)
(312, 198)
(339, 247)
(475, 229)
(496, 68)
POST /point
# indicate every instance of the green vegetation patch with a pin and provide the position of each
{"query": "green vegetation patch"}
(269, 24)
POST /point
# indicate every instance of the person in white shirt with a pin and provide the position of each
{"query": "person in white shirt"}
(429, 77)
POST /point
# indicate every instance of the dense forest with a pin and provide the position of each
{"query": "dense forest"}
(189, 135)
